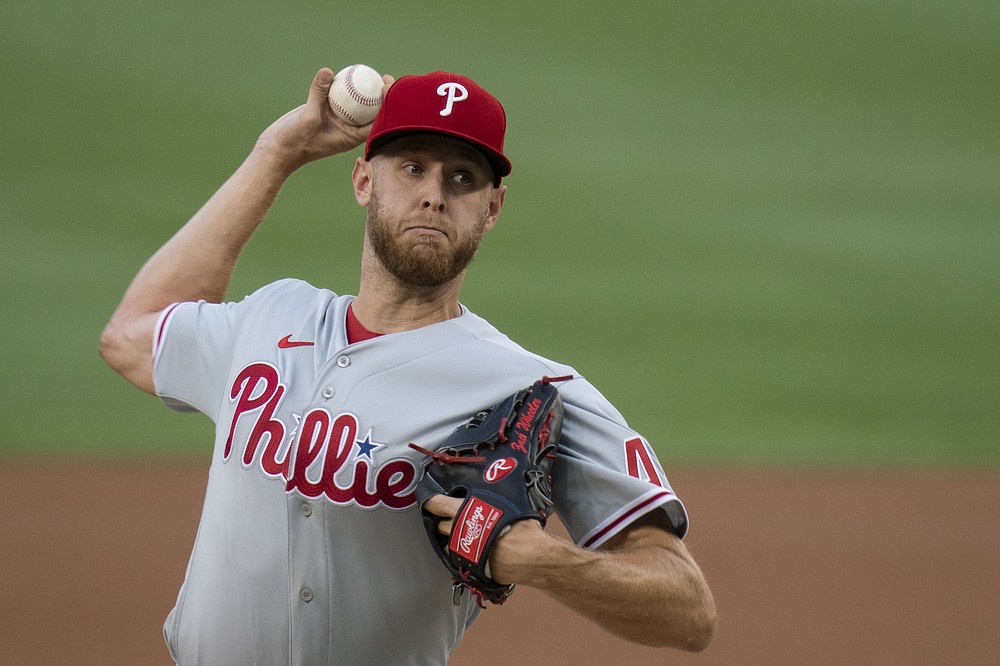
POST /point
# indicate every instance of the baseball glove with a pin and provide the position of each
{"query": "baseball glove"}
(500, 461)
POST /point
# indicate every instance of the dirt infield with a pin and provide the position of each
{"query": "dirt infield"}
(806, 569)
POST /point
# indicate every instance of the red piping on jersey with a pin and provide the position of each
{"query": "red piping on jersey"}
(625, 518)
(163, 324)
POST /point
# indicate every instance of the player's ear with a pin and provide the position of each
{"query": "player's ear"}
(362, 177)
(497, 197)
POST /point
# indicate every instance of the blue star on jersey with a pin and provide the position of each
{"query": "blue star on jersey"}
(366, 447)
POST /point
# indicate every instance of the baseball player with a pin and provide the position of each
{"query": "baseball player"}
(311, 547)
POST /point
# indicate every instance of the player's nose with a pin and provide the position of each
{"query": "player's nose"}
(433, 201)
(433, 195)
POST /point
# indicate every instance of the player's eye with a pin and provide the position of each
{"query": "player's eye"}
(464, 179)
(412, 169)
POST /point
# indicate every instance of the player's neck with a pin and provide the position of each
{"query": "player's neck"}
(382, 316)
(387, 306)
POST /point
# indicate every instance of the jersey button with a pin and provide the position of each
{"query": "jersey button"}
(306, 594)
(344, 361)
(306, 509)
(328, 392)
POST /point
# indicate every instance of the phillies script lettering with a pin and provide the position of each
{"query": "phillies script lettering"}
(319, 460)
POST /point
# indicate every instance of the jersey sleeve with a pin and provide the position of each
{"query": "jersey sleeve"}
(606, 475)
(193, 350)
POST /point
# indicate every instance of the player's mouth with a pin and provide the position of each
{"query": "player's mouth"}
(426, 231)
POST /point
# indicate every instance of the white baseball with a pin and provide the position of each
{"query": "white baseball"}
(356, 94)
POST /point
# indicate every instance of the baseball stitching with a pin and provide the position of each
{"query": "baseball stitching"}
(355, 94)
(342, 112)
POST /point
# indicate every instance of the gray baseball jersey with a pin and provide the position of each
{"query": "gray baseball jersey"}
(311, 548)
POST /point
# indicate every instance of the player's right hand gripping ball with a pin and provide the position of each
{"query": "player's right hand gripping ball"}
(501, 463)
(356, 94)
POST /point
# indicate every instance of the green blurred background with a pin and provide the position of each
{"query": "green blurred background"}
(772, 228)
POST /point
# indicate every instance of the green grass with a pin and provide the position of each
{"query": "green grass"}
(772, 229)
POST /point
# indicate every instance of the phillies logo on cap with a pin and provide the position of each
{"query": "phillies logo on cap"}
(452, 92)
(499, 469)
(445, 103)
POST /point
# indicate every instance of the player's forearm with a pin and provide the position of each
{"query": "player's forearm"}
(645, 592)
(196, 263)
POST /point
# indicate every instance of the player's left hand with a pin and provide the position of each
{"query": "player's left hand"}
(444, 507)
(490, 474)
(514, 546)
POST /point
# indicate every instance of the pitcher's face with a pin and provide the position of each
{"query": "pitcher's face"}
(430, 200)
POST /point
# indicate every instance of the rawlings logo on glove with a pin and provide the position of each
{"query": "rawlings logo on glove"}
(473, 529)
(501, 463)
(499, 469)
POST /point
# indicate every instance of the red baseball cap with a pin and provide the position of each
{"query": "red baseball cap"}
(445, 103)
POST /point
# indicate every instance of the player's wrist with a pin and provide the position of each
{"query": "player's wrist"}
(270, 161)
(525, 553)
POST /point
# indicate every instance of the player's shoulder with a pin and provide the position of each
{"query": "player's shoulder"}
(285, 301)
(289, 295)
(292, 288)
(497, 348)
(491, 340)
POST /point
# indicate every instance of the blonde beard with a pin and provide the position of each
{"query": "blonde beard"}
(428, 264)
